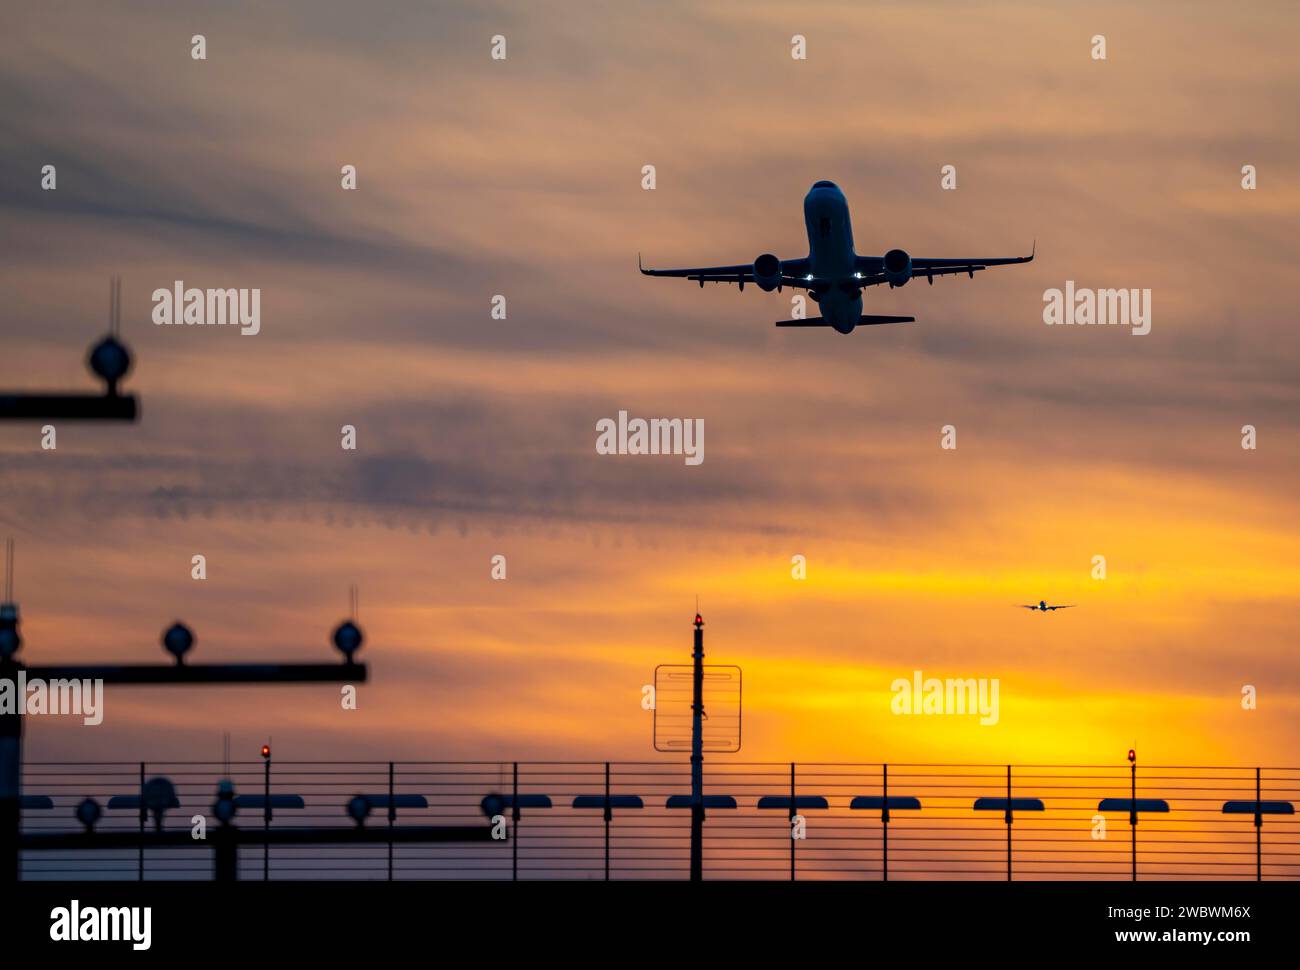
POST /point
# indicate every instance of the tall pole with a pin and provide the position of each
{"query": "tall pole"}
(697, 756)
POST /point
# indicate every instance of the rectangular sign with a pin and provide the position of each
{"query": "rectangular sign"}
(674, 690)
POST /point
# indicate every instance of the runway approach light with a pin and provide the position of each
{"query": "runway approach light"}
(348, 639)
(109, 360)
(10, 640)
(224, 807)
(358, 808)
(266, 751)
(178, 641)
(88, 812)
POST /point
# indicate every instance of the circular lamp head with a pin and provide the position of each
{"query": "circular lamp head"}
(348, 639)
(159, 795)
(178, 640)
(358, 808)
(224, 807)
(88, 813)
(110, 360)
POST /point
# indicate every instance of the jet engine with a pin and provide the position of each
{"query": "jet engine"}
(767, 272)
(897, 267)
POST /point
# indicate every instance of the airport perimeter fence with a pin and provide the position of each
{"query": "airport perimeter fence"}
(632, 820)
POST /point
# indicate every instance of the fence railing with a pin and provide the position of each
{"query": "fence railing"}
(631, 820)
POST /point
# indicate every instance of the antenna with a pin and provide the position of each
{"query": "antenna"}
(354, 601)
(114, 305)
(9, 570)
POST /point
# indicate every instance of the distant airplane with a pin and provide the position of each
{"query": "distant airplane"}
(832, 273)
(1042, 606)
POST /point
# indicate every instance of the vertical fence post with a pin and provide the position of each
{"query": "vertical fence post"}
(392, 816)
(1133, 812)
(790, 823)
(609, 816)
(514, 824)
(1259, 833)
(225, 853)
(140, 874)
(266, 815)
(11, 761)
(1008, 823)
(884, 820)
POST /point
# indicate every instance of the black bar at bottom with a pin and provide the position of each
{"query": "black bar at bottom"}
(204, 673)
(38, 841)
(67, 407)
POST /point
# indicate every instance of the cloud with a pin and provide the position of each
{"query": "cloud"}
(476, 435)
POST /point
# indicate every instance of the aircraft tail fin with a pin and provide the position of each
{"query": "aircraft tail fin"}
(863, 321)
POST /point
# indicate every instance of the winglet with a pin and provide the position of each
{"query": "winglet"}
(638, 263)
(1032, 249)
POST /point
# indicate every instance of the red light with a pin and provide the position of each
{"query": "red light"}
(1132, 755)
(699, 620)
(266, 751)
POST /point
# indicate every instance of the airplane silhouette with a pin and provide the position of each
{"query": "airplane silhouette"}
(1042, 606)
(832, 272)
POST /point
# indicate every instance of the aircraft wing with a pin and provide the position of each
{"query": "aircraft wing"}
(1068, 606)
(1026, 606)
(794, 272)
(930, 267)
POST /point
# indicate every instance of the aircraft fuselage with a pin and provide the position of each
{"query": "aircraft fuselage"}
(831, 255)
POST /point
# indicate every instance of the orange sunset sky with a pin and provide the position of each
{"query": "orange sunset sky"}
(476, 436)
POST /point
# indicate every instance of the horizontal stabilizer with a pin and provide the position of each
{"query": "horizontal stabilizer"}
(866, 320)
(863, 321)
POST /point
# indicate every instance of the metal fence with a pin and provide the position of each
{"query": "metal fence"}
(631, 820)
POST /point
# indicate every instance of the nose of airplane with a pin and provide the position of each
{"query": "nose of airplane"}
(824, 191)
